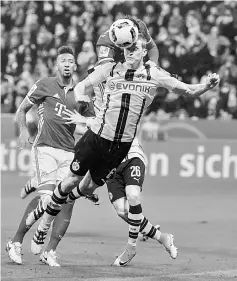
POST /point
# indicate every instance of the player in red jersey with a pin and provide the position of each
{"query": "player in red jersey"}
(52, 150)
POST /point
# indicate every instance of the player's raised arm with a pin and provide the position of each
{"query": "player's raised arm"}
(165, 80)
(153, 52)
(196, 90)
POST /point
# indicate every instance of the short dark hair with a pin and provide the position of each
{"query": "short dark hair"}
(65, 50)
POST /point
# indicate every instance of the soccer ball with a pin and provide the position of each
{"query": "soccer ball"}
(123, 33)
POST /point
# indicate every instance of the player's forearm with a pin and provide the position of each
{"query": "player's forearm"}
(80, 92)
(21, 114)
(191, 90)
(197, 90)
(21, 119)
(153, 53)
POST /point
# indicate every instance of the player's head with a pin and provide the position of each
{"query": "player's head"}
(66, 61)
(135, 54)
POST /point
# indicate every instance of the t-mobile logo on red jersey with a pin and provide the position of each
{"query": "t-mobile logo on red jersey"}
(59, 108)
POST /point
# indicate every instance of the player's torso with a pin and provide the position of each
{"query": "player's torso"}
(52, 129)
(126, 94)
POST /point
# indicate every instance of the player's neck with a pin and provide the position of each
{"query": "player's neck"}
(134, 65)
(65, 81)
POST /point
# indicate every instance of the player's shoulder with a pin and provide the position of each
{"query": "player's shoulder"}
(105, 41)
(155, 69)
(105, 68)
(45, 81)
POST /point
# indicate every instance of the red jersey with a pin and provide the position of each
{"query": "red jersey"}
(53, 100)
(104, 43)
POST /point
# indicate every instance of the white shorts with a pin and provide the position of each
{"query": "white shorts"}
(50, 165)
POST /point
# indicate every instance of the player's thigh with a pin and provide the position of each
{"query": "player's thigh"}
(113, 155)
(134, 172)
(87, 154)
(44, 165)
(64, 160)
(116, 188)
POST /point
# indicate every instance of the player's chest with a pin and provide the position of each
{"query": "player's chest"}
(60, 101)
(137, 86)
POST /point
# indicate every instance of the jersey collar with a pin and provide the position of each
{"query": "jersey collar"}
(63, 86)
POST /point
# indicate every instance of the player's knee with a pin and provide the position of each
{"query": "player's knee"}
(53, 205)
(122, 213)
(71, 181)
(133, 195)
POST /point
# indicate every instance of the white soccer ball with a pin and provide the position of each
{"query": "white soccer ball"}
(123, 33)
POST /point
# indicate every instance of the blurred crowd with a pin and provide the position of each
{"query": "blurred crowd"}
(194, 38)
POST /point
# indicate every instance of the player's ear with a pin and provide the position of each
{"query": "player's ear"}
(144, 52)
(75, 67)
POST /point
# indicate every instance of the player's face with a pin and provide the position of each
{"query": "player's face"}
(66, 65)
(134, 54)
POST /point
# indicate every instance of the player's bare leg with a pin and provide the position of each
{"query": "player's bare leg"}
(85, 188)
(14, 246)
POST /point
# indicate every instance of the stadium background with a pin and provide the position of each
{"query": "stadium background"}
(190, 145)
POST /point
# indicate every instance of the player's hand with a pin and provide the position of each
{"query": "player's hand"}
(212, 80)
(73, 117)
(151, 63)
(23, 138)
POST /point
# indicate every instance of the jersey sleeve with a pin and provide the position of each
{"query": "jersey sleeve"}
(164, 79)
(144, 30)
(105, 48)
(104, 40)
(100, 73)
(37, 92)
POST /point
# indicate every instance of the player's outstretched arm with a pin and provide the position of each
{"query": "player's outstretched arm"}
(197, 90)
(82, 90)
(152, 50)
(21, 121)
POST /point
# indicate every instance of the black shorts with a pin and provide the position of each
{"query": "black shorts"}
(129, 172)
(98, 155)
